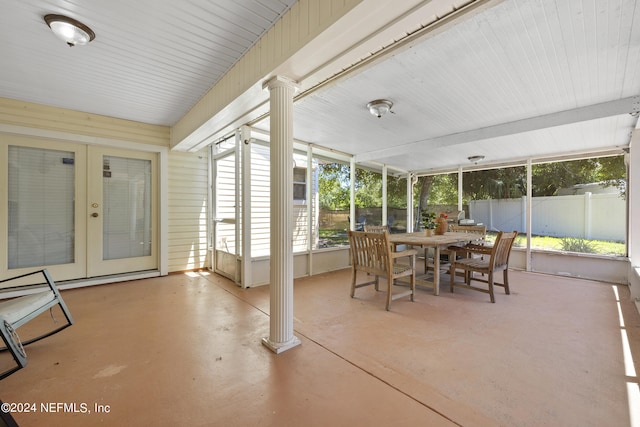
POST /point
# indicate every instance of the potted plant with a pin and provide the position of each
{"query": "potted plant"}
(428, 221)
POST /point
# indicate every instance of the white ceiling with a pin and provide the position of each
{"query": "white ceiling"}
(519, 80)
(151, 60)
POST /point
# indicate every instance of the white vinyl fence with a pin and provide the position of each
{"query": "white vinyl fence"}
(586, 216)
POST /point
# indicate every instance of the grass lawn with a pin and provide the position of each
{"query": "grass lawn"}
(333, 237)
(568, 244)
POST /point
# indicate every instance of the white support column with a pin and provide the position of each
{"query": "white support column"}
(385, 205)
(245, 204)
(587, 214)
(411, 180)
(529, 214)
(352, 194)
(238, 213)
(311, 232)
(633, 239)
(281, 336)
(460, 207)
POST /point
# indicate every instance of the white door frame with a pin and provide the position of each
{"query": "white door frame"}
(163, 179)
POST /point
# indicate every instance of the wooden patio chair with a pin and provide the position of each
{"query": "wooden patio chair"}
(453, 250)
(375, 228)
(373, 253)
(495, 258)
(480, 230)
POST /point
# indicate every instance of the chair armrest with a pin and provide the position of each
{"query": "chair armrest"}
(407, 252)
(478, 249)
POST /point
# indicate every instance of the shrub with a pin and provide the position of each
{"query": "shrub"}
(572, 244)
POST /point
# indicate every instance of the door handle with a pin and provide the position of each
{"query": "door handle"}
(95, 214)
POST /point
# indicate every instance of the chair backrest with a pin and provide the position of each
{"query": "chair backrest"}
(480, 230)
(375, 228)
(502, 250)
(371, 251)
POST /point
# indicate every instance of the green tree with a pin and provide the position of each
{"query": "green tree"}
(444, 190)
(424, 191)
(504, 183)
(333, 186)
(396, 192)
(548, 178)
(333, 182)
(368, 188)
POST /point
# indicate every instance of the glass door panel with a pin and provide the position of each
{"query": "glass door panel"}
(42, 194)
(122, 223)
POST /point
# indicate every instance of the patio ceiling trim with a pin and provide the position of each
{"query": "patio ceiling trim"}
(630, 105)
(591, 153)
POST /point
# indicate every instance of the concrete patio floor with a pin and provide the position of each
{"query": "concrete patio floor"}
(186, 349)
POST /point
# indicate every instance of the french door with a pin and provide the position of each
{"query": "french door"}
(121, 211)
(80, 211)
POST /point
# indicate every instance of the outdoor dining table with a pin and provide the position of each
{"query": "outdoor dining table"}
(437, 242)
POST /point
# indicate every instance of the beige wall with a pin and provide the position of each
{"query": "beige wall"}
(91, 126)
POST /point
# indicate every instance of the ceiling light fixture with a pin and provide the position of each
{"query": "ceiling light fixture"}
(69, 30)
(379, 107)
(475, 159)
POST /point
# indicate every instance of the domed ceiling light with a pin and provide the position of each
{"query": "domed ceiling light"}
(475, 159)
(379, 107)
(69, 30)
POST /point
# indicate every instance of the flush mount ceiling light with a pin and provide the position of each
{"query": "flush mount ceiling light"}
(379, 107)
(69, 30)
(475, 159)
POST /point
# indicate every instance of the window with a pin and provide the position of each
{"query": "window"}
(299, 185)
(397, 204)
(436, 193)
(368, 197)
(496, 198)
(332, 182)
(580, 206)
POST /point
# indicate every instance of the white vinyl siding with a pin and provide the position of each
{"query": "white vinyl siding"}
(260, 205)
(226, 204)
(187, 210)
(300, 228)
(260, 200)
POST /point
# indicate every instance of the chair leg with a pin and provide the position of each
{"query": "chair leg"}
(389, 292)
(490, 281)
(413, 286)
(377, 282)
(13, 344)
(353, 282)
(506, 282)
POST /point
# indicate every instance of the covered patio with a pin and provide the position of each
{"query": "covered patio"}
(516, 83)
(185, 350)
